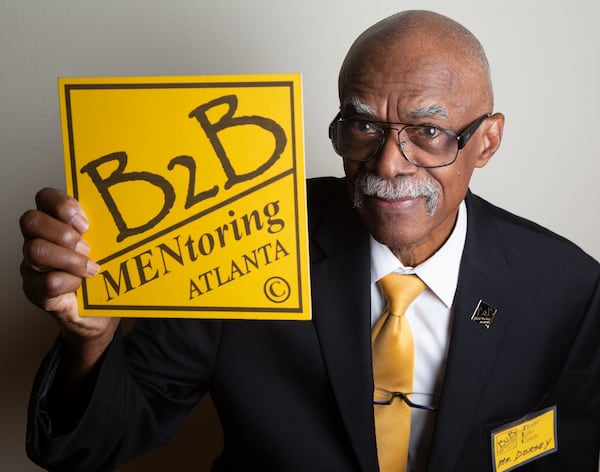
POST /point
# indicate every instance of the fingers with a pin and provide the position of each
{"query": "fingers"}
(52, 235)
(54, 252)
(59, 219)
(42, 255)
(37, 224)
(62, 207)
(55, 262)
(44, 288)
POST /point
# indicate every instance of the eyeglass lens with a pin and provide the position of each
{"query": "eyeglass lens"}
(422, 145)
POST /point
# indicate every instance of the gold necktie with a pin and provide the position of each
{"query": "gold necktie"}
(393, 368)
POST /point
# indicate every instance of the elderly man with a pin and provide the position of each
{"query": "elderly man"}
(489, 361)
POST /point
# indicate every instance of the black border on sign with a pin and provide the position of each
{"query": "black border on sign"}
(291, 171)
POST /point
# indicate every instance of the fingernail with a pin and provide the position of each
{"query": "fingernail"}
(80, 223)
(92, 268)
(82, 247)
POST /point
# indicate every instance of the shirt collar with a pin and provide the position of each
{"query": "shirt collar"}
(439, 272)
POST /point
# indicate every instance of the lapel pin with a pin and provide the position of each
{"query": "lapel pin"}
(484, 314)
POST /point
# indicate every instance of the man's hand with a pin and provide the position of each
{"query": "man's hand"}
(54, 263)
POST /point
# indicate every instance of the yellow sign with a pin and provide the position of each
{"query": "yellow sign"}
(195, 189)
(525, 440)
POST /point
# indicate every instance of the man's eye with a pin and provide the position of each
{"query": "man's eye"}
(429, 132)
(364, 127)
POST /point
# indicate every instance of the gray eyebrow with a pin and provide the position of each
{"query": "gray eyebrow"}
(358, 106)
(428, 111)
(423, 112)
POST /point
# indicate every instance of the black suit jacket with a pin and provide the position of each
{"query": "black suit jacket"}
(297, 396)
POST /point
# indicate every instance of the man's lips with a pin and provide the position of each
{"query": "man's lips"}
(403, 203)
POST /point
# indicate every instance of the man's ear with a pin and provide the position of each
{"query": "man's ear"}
(492, 137)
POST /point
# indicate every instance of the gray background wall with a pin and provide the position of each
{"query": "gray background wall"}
(545, 57)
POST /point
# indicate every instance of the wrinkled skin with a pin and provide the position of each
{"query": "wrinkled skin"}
(54, 263)
(395, 80)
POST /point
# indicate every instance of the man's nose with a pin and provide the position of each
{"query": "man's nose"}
(390, 162)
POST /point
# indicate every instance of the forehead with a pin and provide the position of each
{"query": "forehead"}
(398, 84)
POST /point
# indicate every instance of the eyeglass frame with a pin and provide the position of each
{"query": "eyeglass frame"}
(462, 137)
(404, 397)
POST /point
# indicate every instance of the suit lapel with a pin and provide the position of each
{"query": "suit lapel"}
(340, 277)
(484, 275)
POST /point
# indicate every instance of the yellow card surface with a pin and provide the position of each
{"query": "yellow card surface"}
(525, 440)
(195, 189)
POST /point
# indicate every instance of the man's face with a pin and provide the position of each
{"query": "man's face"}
(405, 85)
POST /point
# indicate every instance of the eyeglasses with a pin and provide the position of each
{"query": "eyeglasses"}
(421, 145)
(422, 401)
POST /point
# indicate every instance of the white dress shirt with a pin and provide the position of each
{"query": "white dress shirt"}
(430, 319)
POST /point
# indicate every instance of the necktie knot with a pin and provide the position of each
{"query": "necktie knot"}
(400, 290)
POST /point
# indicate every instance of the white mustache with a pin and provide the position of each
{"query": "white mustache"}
(401, 187)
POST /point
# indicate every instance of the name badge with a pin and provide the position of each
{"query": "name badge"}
(522, 441)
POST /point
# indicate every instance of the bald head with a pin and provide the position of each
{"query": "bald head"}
(413, 71)
(422, 34)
